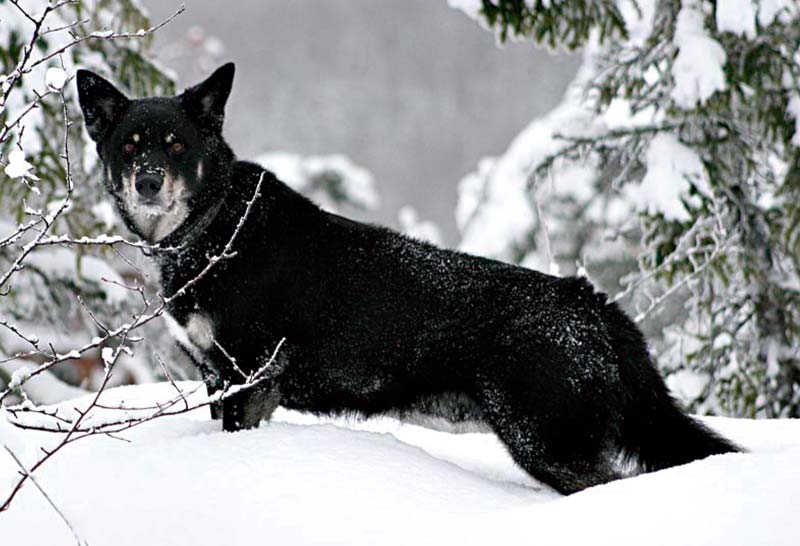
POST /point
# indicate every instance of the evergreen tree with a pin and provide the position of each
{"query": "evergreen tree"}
(677, 150)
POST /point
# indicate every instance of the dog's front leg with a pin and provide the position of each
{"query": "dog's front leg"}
(208, 373)
(213, 384)
(246, 408)
(257, 397)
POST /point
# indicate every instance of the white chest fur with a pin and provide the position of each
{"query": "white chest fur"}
(200, 331)
(197, 334)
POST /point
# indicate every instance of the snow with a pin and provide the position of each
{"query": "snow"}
(327, 179)
(794, 110)
(19, 376)
(55, 78)
(495, 214)
(18, 167)
(39, 79)
(60, 262)
(303, 480)
(413, 226)
(638, 20)
(768, 10)
(687, 384)
(698, 68)
(44, 388)
(670, 166)
(104, 213)
(107, 354)
(472, 8)
(736, 16)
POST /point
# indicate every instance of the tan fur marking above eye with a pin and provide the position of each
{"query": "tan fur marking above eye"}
(169, 138)
(136, 137)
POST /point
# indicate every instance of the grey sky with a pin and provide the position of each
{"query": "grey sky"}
(411, 89)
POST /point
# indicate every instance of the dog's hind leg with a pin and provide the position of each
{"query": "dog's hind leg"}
(555, 436)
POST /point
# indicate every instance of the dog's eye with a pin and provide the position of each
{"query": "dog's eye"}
(129, 148)
(177, 147)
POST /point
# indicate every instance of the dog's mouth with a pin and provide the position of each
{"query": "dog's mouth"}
(151, 207)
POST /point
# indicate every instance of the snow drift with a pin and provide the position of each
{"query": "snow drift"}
(304, 480)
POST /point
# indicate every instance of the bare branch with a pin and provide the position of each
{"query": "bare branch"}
(35, 482)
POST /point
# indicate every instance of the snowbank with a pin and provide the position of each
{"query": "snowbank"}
(302, 480)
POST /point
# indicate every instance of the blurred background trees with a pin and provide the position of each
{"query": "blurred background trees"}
(669, 174)
(408, 89)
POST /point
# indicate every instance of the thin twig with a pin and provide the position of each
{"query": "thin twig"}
(45, 495)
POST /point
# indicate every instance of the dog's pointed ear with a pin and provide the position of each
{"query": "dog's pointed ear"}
(206, 100)
(101, 102)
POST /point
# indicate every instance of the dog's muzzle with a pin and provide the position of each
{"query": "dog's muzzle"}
(148, 185)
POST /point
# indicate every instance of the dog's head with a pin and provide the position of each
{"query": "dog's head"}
(164, 158)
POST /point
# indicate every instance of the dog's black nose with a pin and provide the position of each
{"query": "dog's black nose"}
(148, 185)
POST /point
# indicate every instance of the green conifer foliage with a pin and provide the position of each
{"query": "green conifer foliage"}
(688, 122)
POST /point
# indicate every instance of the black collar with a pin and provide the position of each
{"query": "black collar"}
(188, 232)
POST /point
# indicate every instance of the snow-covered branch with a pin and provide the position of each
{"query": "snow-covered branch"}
(46, 171)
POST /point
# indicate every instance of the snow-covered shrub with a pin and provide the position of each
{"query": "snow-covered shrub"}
(677, 150)
(332, 181)
(414, 226)
(59, 294)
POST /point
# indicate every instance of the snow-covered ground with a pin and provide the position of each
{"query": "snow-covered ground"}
(301, 480)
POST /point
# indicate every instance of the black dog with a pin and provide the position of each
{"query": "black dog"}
(373, 321)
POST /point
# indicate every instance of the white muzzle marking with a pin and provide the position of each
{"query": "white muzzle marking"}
(157, 220)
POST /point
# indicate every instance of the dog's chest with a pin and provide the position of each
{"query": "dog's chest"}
(200, 330)
(194, 330)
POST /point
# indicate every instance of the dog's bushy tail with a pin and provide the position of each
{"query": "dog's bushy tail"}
(658, 434)
(655, 431)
